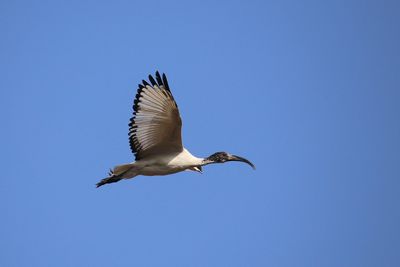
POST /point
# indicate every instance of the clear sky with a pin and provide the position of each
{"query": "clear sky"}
(307, 90)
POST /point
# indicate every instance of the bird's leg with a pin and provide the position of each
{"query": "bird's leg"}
(109, 180)
(124, 171)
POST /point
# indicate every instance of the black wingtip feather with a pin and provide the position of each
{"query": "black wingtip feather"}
(135, 105)
(151, 79)
(159, 80)
(165, 81)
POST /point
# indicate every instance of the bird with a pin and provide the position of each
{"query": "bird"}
(155, 137)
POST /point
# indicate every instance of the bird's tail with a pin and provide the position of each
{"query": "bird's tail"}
(119, 172)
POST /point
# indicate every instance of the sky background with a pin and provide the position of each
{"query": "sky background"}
(307, 90)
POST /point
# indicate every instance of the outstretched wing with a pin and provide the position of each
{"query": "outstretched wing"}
(155, 127)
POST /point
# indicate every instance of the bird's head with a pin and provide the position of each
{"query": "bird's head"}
(222, 157)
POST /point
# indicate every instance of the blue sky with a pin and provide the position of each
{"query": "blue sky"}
(307, 90)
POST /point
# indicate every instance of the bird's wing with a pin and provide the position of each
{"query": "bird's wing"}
(155, 127)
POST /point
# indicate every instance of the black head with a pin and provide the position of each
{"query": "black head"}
(221, 157)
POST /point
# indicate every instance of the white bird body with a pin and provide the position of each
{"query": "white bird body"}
(155, 137)
(162, 164)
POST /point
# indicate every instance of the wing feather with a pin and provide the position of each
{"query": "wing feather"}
(155, 127)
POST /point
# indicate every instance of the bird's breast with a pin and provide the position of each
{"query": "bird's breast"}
(168, 164)
(161, 170)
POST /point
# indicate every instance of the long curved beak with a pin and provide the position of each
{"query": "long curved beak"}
(237, 158)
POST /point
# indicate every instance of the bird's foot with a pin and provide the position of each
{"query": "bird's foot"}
(108, 180)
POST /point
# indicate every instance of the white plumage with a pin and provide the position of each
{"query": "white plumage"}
(155, 136)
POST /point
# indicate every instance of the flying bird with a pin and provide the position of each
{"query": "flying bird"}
(155, 137)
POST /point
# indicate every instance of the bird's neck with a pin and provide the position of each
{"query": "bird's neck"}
(188, 157)
(196, 160)
(206, 161)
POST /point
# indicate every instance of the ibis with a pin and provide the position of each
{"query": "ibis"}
(155, 137)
